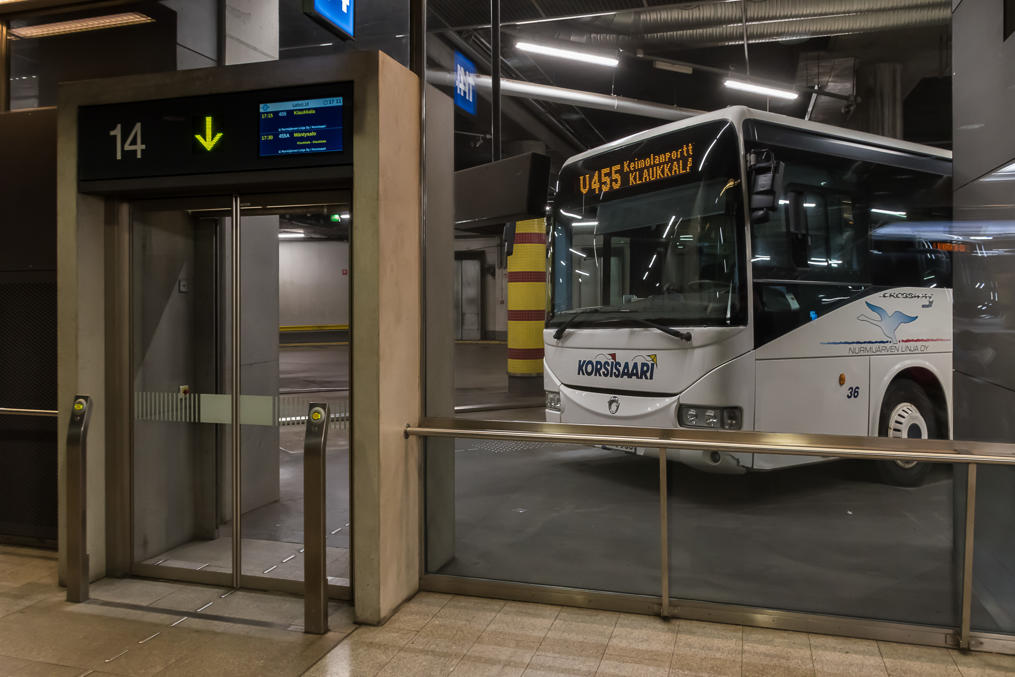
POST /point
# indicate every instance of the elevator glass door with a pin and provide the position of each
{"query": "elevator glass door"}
(182, 401)
(234, 333)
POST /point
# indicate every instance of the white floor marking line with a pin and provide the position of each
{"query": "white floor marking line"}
(110, 660)
(204, 607)
(150, 637)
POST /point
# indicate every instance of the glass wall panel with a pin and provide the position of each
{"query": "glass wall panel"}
(549, 514)
(985, 381)
(825, 538)
(733, 272)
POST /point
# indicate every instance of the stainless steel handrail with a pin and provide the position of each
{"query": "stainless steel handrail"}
(13, 411)
(877, 448)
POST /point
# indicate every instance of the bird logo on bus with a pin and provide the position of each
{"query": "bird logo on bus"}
(888, 324)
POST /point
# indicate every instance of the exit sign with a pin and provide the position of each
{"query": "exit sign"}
(338, 16)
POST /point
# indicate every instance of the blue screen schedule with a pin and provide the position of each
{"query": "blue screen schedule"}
(296, 127)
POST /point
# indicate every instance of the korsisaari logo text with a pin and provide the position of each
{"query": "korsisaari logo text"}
(606, 365)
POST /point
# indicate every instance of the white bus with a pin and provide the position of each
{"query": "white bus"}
(742, 270)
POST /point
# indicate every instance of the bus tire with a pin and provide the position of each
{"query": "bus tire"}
(906, 412)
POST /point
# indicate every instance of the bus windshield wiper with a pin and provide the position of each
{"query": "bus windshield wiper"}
(567, 323)
(683, 335)
(676, 333)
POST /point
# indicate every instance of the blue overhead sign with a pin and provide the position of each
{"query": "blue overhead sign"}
(465, 84)
(338, 16)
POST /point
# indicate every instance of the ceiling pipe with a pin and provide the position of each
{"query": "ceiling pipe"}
(701, 13)
(673, 17)
(573, 97)
(771, 31)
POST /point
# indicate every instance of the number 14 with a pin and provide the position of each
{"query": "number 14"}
(133, 141)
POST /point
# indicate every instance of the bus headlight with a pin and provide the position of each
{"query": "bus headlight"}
(553, 400)
(725, 418)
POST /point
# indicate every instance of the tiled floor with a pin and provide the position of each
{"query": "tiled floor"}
(139, 627)
(134, 627)
(464, 636)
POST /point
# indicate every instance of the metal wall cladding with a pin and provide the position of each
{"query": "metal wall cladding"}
(984, 282)
(28, 466)
(983, 90)
(28, 325)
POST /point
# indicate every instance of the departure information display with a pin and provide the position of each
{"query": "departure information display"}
(307, 126)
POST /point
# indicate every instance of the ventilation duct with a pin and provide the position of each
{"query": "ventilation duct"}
(685, 16)
(793, 29)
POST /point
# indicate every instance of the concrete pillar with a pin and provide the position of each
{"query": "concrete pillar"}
(880, 108)
(80, 300)
(439, 261)
(197, 24)
(526, 307)
(259, 442)
(251, 31)
(386, 326)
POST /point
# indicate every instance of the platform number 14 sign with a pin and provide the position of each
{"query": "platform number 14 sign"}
(465, 84)
(133, 142)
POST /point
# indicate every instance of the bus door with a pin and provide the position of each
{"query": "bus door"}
(809, 262)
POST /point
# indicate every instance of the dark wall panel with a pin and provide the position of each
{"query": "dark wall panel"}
(28, 323)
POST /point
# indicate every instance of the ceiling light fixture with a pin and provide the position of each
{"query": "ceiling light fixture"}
(760, 89)
(291, 236)
(584, 57)
(889, 212)
(93, 23)
(673, 67)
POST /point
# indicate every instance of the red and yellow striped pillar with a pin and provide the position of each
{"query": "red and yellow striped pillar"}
(526, 305)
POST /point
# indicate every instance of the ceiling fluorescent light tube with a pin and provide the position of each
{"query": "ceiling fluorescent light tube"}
(673, 67)
(93, 23)
(568, 54)
(760, 89)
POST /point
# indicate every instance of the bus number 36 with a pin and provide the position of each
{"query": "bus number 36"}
(852, 392)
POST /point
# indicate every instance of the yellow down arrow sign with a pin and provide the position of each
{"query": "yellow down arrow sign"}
(208, 141)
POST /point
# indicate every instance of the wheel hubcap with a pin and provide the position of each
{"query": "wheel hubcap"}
(906, 422)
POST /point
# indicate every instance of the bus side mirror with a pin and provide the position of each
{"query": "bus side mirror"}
(765, 175)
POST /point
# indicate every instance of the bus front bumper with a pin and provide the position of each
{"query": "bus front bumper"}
(583, 407)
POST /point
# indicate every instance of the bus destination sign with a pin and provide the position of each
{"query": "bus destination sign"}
(639, 170)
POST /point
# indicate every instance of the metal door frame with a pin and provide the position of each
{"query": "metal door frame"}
(121, 320)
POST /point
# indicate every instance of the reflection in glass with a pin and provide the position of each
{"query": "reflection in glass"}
(182, 497)
(558, 514)
(294, 351)
(824, 538)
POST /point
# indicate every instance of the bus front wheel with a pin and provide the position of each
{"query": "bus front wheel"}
(908, 413)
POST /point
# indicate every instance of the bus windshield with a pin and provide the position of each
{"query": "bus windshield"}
(652, 231)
